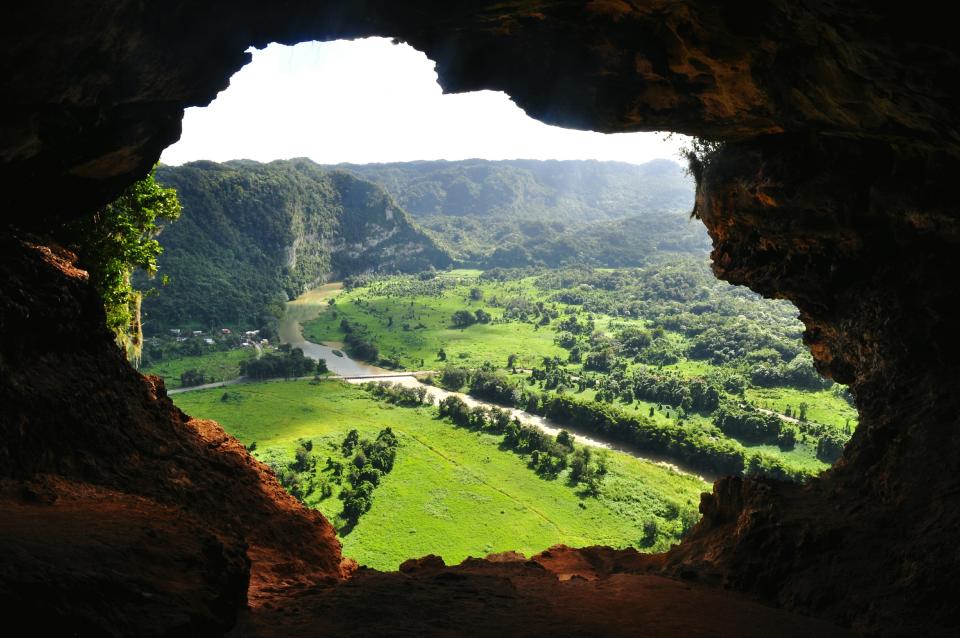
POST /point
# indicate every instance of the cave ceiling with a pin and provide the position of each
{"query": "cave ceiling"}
(93, 91)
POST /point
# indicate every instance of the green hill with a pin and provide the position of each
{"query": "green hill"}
(565, 191)
(522, 212)
(253, 235)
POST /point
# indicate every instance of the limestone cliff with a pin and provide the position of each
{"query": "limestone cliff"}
(254, 235)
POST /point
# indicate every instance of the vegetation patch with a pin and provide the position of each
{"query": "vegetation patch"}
(689, 367)
(452, 491)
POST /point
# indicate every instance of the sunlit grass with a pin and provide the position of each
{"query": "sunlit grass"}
(216, 366)
(452, 492)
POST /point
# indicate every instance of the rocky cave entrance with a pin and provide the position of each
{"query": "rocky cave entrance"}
(833, 190)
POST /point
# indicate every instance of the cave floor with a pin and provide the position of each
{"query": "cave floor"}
(520, 598)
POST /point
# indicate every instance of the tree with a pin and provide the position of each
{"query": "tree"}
(650, 529)
(192, 377)
(350, 442)
(113, 242)
(322, 366)
(464, 318)
(454, 378)
(476, 294)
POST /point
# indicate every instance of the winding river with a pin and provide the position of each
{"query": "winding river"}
(310, 304)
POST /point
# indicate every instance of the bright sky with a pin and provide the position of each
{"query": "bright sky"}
(374, 101)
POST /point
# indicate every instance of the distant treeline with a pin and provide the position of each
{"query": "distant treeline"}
(287, 364)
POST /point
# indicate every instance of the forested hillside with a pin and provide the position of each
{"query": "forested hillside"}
(565, 191)
(523, 212)
(253, 235)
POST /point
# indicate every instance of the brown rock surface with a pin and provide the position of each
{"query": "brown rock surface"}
(78, 423)
(834, 191)
(85, 560)
(862, 249)
(480, 598)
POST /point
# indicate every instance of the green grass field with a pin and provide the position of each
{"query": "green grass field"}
(824, 406)
(429, 326)
(217, 366)
(452, 492)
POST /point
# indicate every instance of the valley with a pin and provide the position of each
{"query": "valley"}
(569, 387)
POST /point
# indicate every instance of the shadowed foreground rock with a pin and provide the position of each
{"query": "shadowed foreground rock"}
(562, 592)
(163, 514)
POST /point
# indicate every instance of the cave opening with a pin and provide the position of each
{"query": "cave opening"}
(833, 189)
(722, 363)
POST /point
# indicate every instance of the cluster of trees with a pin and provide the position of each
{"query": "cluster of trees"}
(287, 364)
(745, 422)
(398, 394)
(549, 456)
(299, 476)
(797, 373)
(678, 293)
(709, 451)
(366, 463)
(493, 386)
(695, 394)
(768, 466)
(464, 318)
(454, 377)
(192, 377)
(358, 341)
(830, 446)
(694, 447)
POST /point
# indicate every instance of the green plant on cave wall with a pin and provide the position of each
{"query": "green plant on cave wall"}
(114, 241)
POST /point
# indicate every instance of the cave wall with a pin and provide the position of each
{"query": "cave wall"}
(122, 515)
(864, 239)
(833, 190)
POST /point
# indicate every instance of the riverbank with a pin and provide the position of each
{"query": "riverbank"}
(309, 305)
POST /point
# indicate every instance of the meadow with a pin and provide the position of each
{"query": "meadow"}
(219, 365)
(686, 328)
(412, 327)
(452, 492)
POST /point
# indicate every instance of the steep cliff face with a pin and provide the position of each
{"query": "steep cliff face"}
(861, 249)
(121, 514)
(834, 191)
(252, 236)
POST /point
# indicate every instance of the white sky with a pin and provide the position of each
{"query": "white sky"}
(373, 101)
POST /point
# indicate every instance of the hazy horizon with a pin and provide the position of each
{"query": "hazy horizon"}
(465, 159)
(371, 101)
